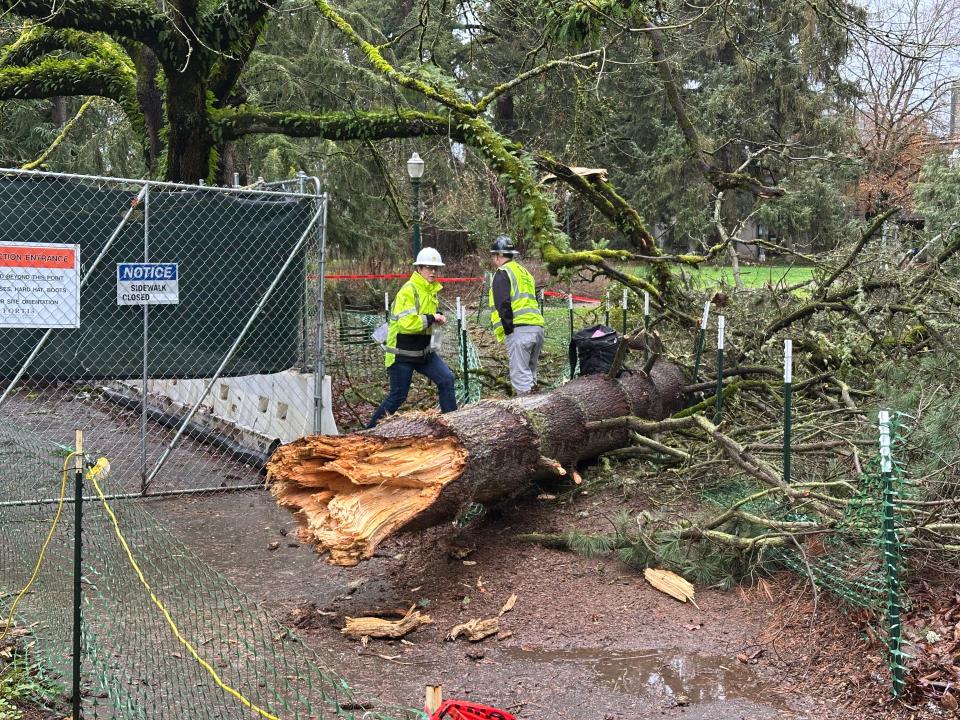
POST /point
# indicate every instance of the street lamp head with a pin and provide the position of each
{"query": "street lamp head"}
(415, 167)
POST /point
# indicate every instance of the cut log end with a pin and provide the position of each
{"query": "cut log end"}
(351, 492)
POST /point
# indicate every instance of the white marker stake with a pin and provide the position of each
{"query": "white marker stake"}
(788, 361)
(459, 311)
(705, 316)
(718, 410)
(886, 462)
(624, 306)
(646, 303)
(570, 302)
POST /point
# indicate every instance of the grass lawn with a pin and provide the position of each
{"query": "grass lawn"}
(752, 275)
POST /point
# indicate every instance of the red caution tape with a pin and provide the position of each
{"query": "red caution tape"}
(401, 276)
(392, 276)
(577, 298)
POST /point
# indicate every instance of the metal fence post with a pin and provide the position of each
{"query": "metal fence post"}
(464, 343)
(701, 338)
(319, 366)
(77, 573)
(146, 348)
(624, 312)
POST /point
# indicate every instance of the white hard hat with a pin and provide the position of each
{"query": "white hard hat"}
(428, 256)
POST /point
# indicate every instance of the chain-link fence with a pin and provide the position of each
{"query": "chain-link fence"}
(156, 316)
(179, 328)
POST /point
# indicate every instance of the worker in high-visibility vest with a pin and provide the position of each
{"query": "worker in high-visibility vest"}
(516, 316)
(414, 316)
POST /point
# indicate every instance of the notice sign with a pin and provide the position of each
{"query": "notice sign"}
(147, 284)
(39, 285)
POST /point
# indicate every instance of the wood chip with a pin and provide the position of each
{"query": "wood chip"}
(374, 627)
(508, 605)
(670, 583)
(476, 629)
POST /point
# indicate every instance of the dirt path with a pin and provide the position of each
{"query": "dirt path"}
(587, 637)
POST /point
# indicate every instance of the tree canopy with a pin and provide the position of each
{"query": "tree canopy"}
(700, 115)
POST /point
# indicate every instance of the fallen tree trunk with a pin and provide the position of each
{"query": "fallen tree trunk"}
(417, 469)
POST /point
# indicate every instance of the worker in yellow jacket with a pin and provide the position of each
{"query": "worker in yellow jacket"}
(414, 316)
(516, 316)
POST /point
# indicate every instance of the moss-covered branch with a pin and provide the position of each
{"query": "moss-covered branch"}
(484, 102)
(130, 19)
(58, 140)
(374, 125)
(34, 42)
(442, 96)
(87, 76)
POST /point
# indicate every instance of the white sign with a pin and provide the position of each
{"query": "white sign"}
(39, 285)
(148, 284)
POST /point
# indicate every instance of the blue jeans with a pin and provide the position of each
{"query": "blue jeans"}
(401, 375)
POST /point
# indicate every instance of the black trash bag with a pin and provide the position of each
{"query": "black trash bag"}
(595, 349)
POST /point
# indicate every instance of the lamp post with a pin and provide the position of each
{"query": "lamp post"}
(415, 171)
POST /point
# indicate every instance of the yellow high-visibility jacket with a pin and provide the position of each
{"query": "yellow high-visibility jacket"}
(411, 319)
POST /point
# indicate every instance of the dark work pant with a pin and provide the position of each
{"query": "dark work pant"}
(401, 375)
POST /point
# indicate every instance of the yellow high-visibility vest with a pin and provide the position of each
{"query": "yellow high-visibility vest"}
(523, 299)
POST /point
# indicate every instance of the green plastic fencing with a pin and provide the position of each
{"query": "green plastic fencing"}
(355, 362)
(134, 665)
(863, 563)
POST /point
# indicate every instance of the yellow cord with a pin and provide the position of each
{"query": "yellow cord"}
(43, 549)
(156, 601)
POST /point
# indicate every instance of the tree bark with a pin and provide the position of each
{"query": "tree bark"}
(190, 140)
(416, 470)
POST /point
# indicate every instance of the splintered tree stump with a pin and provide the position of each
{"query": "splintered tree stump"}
(415, 470)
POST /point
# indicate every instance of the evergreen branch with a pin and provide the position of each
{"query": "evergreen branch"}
(720, 179)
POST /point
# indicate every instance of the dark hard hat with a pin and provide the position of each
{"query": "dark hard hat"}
(503, 245)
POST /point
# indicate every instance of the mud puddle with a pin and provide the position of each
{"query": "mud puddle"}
(670, 677)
